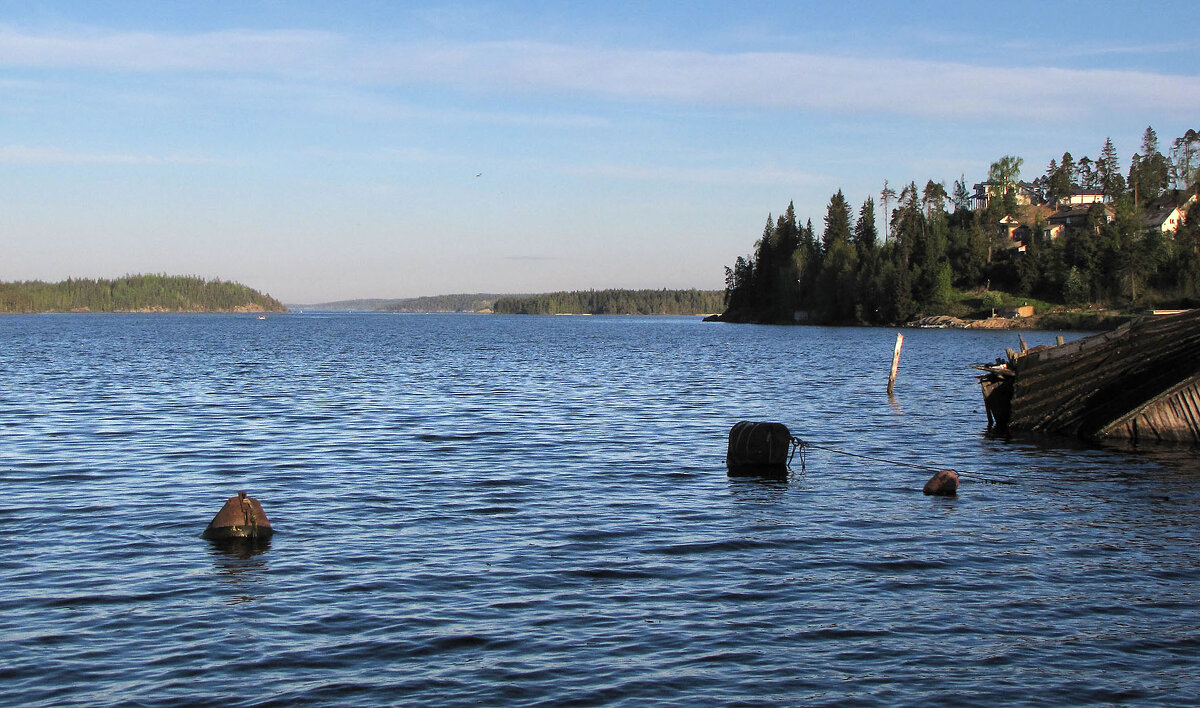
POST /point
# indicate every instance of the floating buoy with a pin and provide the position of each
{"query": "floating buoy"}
(758, 449)
(242, 518)
(942, 484)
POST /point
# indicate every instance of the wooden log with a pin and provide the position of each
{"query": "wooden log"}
(895, 363)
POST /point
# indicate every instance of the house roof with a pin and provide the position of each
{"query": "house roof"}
(1161, 209)
(1068, 214)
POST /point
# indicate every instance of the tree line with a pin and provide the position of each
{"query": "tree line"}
(134, 293)
(464, 302)
(613, 302)
(938, 245)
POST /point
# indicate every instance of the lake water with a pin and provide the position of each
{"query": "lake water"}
(535, 511)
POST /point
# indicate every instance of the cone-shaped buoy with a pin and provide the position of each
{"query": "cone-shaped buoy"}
(242, 517)
(942, 484)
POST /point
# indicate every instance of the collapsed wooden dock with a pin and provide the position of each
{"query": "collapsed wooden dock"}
(1140, 381)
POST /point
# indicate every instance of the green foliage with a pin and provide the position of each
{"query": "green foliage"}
(135, 293)
(1075, 290)
(613, 302)
(1003, 176)
(992, 299)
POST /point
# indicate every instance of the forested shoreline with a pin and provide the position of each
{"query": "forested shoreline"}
(1081, 235)
(613, 302)
(134, 293)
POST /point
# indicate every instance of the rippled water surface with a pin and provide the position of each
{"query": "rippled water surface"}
(495, 510)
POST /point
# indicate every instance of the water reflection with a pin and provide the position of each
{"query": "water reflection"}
(755, 489)
(240, 548)
(240, 563)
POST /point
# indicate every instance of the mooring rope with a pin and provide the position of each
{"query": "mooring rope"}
(800, 445)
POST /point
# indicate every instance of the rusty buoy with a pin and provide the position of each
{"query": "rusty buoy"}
(942, 484)
(242, 517)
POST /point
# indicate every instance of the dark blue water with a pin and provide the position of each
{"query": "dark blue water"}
(535, 511)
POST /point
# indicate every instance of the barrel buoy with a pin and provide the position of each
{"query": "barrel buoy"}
(758, 449)
(942, 484)
(242, 517)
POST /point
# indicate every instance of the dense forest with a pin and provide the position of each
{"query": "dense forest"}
(1082, 233)
(613, 302)
(135, 293)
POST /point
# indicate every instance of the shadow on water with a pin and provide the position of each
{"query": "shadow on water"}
(1180, 456)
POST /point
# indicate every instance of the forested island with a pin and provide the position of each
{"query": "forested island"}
(1082, 237)
(578, 302)
(135, 293)
(461, 302)
(613, 302)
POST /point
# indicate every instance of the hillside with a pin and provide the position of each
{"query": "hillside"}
(134, 293)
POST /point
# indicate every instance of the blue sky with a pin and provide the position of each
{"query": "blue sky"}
(322, 151)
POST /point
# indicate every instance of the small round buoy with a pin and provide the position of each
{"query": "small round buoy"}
(942, 484)
(242, 517)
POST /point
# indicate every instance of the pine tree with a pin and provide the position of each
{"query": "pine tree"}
(885, 196)
(837, 221)
(933, 198)
(1185, 161)
(1149, 171)
(1108, 171)
(962, 198)
(866, 236)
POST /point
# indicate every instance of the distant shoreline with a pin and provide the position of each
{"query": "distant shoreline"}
(135, 294)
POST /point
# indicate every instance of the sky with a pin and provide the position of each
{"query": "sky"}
(324, 151)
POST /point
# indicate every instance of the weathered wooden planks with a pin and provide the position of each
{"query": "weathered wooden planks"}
(1139, 381)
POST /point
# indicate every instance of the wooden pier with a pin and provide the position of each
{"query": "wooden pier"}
(1140, 381)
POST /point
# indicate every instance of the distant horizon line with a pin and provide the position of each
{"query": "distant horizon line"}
(487, 295)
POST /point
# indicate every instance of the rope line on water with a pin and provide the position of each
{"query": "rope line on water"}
(799, 445)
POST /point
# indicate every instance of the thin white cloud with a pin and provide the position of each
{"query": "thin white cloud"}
(232, 50)
(700, 175)
(806, 81)
(30, 156)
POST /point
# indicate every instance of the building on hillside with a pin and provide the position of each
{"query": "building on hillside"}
(1166, 214)
(1067, 216)
(1080, 197)
(1012, 230)
(1026, 194)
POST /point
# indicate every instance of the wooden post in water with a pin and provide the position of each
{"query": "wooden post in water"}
(895, 362)
(1060, 340)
